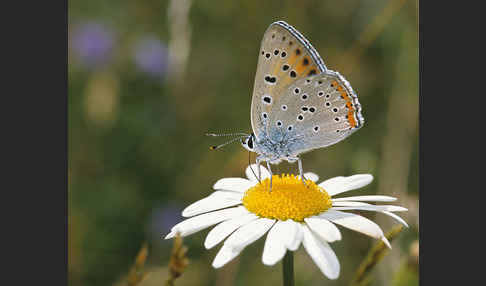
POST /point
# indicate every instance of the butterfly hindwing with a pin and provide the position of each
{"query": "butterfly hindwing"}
(285, 56)
(317, 111)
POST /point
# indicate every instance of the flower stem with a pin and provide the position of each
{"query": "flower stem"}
(288, 269)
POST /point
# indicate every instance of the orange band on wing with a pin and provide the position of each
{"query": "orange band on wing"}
(349, 104)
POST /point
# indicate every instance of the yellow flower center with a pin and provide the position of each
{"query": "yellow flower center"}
(289, 198)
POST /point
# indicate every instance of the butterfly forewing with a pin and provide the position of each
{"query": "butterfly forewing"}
(315, 112)
(285, 56)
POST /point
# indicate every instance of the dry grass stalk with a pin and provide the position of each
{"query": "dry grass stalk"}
(379, 250)
(136, 274)
(178, 260)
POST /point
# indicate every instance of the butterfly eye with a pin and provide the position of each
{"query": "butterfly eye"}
(279, 123)
(316, 129)
(250, 143)
(284, 107)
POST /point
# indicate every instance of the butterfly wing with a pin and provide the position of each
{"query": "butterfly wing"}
(284, 57)
(315, 112)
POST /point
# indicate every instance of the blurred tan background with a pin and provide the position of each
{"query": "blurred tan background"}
(147, 80)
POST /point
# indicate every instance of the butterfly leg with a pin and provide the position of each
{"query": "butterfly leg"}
(271, 175)
(257, 161)
(301, 171)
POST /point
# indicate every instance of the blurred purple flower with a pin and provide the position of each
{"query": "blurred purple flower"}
(163, 218)
(92, 43)
(151, 56)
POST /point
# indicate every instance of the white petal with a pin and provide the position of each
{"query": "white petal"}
(170, 235)
(386, 242)
(222, 230)
(399, 219)
(354, 222)
(197, 223)
(227, 195)
(242, 237)
(349, 204)
(252, 177)
(233, 184)
(391, 208)
(295, 235)
(249, 233)
(366, 199)
(275, 249)
(339, 185)
(324, 228)
(322, 254)
(215, 201)
(381, 208)
(225, 255)
(310, 176)
(335, 181)
(354, 204)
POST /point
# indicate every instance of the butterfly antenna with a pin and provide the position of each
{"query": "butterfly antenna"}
(224, 144)
(227, 134)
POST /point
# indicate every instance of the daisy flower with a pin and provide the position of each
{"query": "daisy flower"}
(291, 213)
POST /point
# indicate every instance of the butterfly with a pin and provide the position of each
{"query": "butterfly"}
(298, 105)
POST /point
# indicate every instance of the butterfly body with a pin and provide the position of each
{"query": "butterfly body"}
(274, 148)
(298, 104)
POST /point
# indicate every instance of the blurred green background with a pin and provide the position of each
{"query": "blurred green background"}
(147, 80)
